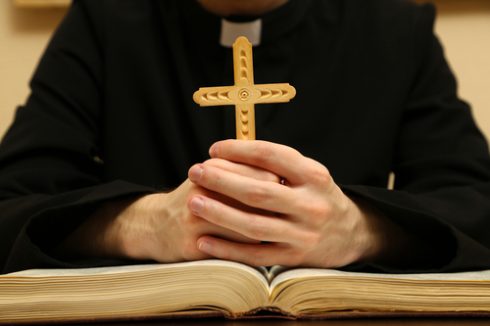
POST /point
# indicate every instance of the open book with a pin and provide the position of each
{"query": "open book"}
(213, 287)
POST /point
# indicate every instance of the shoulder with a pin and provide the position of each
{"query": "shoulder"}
(114, 6)
(395, 26)
(118, 19)
(106, 11)
(389, 9)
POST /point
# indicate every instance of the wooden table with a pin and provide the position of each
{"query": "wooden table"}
(350, 322)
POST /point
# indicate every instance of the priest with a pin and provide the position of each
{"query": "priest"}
(110, 161)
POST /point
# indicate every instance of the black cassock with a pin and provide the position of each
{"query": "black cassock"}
(111, 115)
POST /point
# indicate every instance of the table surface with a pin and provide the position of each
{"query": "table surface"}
(345, 322)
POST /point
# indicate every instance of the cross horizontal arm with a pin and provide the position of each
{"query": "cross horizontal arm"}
(213, 96)
(273, 93)
(255, 94)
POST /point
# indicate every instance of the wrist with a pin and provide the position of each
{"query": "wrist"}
(134, 228)
(105, 233)
(385, 242)
(372, 229)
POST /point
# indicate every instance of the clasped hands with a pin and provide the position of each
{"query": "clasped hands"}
(234, 207)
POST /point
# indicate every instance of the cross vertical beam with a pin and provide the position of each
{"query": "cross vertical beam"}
(244, 79)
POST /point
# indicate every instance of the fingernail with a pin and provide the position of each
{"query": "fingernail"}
(197, 204)
(195, 173)
(213, 151)
(205, 246)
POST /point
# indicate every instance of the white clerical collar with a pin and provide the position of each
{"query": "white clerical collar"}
(230, 31)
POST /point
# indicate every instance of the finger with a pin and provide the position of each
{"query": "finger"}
(224, 233)
(279, 159)
(269, 196)
(244, 170)
(251, 254)
(250, 225)
(207, 227)
(199, 226)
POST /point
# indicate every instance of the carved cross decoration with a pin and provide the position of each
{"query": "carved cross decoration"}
(244, 94)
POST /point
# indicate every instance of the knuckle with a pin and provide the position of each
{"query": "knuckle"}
(320, 175)
(190, 221)
(191, 225)
(257, 194)
(344, 206)
(256, 228)
(322, 210)
(189, 249)
(316, 211)
(262, 154)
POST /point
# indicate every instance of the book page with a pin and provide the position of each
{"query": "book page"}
(283, 275)
(320, 291)
(260, 273)
(278, 274)
(211, 286)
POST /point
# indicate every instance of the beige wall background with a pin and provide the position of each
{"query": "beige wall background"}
(23, 36)
(463, 25)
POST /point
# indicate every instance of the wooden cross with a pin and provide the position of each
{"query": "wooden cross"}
(244, 94)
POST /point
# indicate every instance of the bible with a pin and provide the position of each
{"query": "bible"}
(233, 290)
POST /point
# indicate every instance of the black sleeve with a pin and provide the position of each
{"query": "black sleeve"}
(442, 166)
(51, 172)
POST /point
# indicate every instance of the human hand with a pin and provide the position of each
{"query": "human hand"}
(308, 221)
(162, 228)
(158, 226)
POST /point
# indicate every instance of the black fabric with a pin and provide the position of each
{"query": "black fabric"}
(111, 115)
